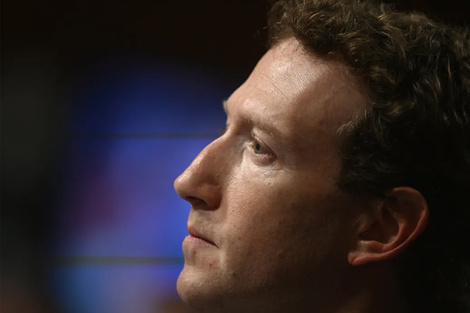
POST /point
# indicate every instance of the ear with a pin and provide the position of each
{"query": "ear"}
(389, 226)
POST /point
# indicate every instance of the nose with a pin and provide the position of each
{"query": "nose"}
(201, 183)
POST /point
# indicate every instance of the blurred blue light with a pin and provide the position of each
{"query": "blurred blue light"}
(136, 124)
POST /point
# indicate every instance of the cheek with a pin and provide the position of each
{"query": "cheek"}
(269, 208)
(284, 228)
(272, 215)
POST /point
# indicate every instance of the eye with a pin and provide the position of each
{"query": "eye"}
(259, 148)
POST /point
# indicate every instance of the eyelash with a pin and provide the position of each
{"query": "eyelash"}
(259, 148)
(267, 153)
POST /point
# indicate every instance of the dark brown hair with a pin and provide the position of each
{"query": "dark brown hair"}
(414, 132)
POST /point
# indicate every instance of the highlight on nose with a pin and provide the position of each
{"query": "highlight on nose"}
(200, 183)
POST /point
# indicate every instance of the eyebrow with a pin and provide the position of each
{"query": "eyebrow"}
(224, 104)
(258, 123)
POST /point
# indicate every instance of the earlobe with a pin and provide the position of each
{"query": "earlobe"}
(390, 226)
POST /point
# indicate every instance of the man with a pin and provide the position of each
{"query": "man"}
(342, 181)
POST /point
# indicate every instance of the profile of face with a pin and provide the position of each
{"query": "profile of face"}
(268, 226)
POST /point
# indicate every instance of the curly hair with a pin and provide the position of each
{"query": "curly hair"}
(414, 132)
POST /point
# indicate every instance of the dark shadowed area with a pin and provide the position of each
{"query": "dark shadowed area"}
(103, 104)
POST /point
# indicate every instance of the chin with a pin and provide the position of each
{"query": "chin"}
(193, 289)
(183, 286)
(202, 292)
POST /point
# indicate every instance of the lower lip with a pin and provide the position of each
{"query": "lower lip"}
(193, 240)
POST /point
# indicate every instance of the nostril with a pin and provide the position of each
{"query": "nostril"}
(195, 201)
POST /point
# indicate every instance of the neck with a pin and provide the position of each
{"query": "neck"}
(373, 288)
(369, 288)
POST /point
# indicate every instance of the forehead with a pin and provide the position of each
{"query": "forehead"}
(298, 93)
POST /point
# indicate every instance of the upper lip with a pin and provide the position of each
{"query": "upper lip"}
(196, 233)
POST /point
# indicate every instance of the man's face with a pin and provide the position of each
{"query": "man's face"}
(267, 223)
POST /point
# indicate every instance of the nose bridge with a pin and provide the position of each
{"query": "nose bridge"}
(203, 179)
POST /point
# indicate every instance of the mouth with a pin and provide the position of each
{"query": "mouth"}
(196, 235)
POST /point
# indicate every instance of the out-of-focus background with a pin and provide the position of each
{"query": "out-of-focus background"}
(103, 104)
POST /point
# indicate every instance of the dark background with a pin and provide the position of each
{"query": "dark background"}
(45, 42)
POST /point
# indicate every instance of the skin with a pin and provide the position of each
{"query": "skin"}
(269, 229)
